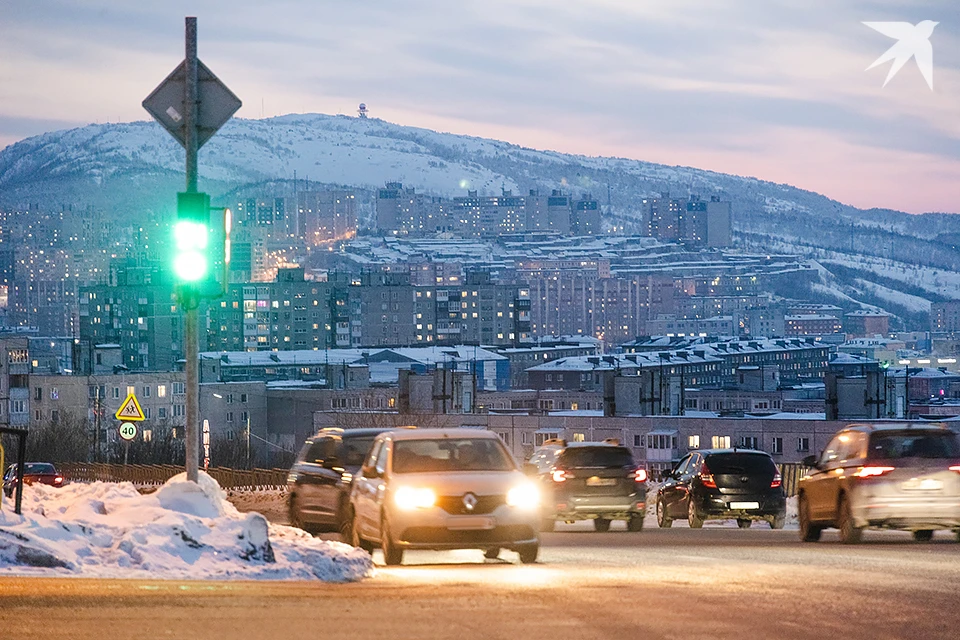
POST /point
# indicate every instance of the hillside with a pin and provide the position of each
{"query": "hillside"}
(124, 168)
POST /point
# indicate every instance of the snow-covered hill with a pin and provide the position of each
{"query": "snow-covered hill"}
(368, 152)
(125, 169)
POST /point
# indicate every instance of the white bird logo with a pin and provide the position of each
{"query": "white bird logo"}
(913, 41)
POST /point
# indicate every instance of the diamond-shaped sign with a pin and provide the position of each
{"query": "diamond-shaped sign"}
(216, 103)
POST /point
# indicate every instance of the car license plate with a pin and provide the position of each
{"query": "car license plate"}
(601, 482)
(470, 524)
(927, 484)
(744, 505)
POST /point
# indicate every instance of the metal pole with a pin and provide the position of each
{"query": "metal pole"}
(21, 466)
(191, 321)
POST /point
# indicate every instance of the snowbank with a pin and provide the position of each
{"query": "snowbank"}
(183, 531)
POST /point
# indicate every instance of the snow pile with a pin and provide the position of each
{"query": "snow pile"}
(183, 531)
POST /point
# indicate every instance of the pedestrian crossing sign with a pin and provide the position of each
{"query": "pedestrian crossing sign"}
(130, 410)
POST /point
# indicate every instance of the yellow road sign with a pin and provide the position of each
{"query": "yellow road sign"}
(130, 409)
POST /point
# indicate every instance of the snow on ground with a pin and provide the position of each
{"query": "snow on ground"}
(182, 531)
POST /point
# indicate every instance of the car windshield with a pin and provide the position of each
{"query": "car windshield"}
(468, 454)
(352, 451)
(739, 463)
(39, 468)
(915, 444)
(596, 457)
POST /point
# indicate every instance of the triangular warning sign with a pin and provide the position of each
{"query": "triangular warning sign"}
(130, 409)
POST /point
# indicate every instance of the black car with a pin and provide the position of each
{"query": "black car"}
(722, 484)
(319, 481)
(596, 481)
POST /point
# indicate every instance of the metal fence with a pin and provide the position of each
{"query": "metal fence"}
(147, 475)
(791, 473)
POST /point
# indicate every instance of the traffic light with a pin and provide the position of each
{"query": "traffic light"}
(191, 237)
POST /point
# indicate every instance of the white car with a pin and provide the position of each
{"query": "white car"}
(444, 489)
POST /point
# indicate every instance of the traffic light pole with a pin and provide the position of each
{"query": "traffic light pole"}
(191, 321)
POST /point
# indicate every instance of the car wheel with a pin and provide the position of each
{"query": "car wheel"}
(663, 520)
(602, 525)
(925, 535)
(849, 532)
(345, 524)
(743, 523)
(529, 552)
(492, 554)
(777, 521)
(635, 523)
(694, 519)
(808, 532)
(548, 524)
(355, 537)
(392, 554)
(296, 514)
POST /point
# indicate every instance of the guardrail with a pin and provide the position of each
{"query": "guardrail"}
(148, 475)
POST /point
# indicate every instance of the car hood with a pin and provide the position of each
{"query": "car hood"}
(481, 483)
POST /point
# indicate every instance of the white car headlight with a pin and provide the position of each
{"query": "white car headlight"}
(524, 496)
(409, 498)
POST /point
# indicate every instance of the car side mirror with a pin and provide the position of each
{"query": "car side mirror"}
(530, 469)
(810, 461)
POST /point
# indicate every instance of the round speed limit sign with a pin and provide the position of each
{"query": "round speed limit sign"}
(128, 431)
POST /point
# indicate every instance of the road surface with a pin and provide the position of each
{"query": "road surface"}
(677, 583)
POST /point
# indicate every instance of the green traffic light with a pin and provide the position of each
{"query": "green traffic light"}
(190, 261)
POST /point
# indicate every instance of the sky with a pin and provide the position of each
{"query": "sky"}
(776, 89)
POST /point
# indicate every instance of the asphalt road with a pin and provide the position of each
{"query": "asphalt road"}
(677, 583)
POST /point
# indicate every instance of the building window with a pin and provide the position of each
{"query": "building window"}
(244, 417)
(803, 444)
(720, 442)
(131, 390)
(179, 388)
(579, 437)
(693, 442)
(146, 412)
(146, 391)
(229, 416)
(777, 445)
(116, 393)
(178, 411)
(524, 437)
(505, 436)
(637, 440)
(161, 391)
(243, 397)
(54, 394)
(162, 412)
(749, 442)
(147, 435)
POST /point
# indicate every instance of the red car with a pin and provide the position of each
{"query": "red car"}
(34, 472)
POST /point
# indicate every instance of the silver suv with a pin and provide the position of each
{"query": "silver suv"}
(892, 476)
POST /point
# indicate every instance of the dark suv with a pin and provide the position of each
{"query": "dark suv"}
(721, 484)
(319, 481)
(596, 481)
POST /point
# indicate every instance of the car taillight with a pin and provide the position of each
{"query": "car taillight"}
(559, 475)
(639, 475)
(777, 481)
(58, 480)
(706, 478)
(868, 472)
(956, 468)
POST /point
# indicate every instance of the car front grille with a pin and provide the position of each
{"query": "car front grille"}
(440, 535)
(485, 504)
